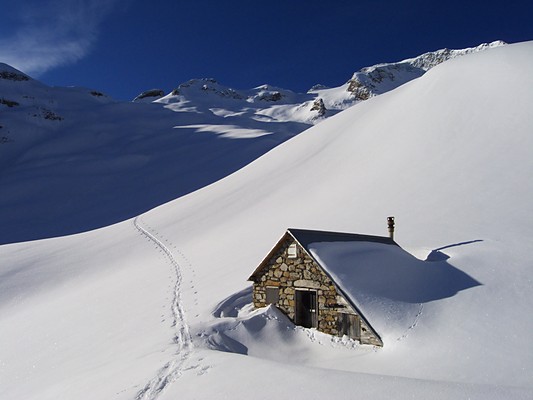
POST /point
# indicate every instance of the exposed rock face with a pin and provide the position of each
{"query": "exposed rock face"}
(152, 94)
(50, 115)
(272, 96)
(13, 76)
(316, 87)
(358, 89)
(319, 107)
(207, 85)
(380, 78)
(9, 103)
(429, 60)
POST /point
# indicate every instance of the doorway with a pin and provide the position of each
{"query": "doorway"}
(306, 308)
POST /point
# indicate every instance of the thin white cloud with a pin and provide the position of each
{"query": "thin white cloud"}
(52, 33)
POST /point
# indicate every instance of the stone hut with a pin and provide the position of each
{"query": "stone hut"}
(311, 293)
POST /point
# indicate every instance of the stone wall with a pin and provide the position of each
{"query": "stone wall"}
(289, 274)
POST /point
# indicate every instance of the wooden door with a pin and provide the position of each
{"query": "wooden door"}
(306, 309)
(350, 325)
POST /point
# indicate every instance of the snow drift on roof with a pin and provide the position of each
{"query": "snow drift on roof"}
(386, 283)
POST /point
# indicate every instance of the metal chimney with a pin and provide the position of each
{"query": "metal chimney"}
(390, 223)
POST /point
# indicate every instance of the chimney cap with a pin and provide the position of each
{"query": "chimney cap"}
(390, 223)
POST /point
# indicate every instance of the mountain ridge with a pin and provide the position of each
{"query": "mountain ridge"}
(367, 82)
(43, 129)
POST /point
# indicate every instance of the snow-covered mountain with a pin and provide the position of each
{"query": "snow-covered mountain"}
(80, 135)
(264, 103)
(90, 144)
(158, 306)
(318, 103)
(61, 146)
(381, 78)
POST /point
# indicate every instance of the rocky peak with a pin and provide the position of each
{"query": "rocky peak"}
(319, 107)
(206, 85)
(150, 95)
(316, 87)
(380, 78)
(429, 60)
(11, 74)
(270, 96)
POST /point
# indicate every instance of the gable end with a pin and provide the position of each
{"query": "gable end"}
(289, 269)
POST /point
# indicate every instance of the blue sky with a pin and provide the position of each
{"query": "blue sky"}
(123, 47)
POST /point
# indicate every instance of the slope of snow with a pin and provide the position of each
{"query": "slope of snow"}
(450, 161)
(136, 309)
(84, 145)
(388, 285)
(72, 159)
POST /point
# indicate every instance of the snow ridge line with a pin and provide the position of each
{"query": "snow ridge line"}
(172, 370)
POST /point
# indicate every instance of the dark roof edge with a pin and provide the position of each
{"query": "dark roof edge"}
(307, 236)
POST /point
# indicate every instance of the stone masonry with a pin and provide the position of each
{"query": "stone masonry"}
(302, 272)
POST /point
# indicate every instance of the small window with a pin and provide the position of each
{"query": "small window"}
(292, 252)
(272, 295)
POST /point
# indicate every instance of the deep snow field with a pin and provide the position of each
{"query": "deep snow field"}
(158, 305)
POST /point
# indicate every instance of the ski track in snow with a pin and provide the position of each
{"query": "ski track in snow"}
(173, 369)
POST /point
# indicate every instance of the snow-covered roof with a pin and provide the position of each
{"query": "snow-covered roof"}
(306, 236)
(388, 285)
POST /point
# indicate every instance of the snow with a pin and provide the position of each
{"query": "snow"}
(228, 131)
(148, 303)
(51, 167)
(66, 329)
(388, 285)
